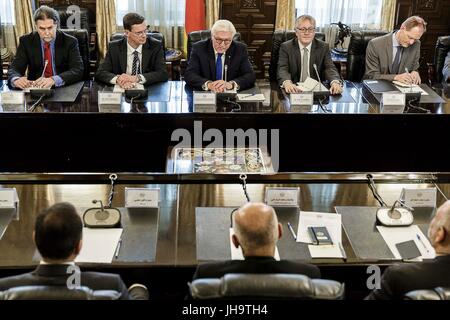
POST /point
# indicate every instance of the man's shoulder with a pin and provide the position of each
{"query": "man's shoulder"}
(289, 43)
(90, 275)
(29, 37)
(381, 39)
(202, 44)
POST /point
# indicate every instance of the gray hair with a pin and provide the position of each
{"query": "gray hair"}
(223, 25)
(305, 17)
(45, 12)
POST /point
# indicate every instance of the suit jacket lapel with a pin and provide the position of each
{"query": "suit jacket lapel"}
(297, 58)
(58, 53)
(389, 49)
(123, 56)
(228, 55)
(145, 55)
(212, 61)
(312, 60)
(39, 59)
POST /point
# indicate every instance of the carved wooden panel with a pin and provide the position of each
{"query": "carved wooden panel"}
(436, 13)
(255, 20)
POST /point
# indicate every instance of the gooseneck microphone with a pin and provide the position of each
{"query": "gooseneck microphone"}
(320, 87)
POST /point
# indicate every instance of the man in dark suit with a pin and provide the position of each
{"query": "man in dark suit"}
(51, 56)
(135, 59)
(219, 63)
(400, 279)
(305, 50)
(256, 231)
(395, 56)
(58, 238)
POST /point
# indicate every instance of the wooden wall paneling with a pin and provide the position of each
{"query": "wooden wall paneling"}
(255, 20)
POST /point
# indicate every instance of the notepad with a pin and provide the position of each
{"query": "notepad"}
(99, 245)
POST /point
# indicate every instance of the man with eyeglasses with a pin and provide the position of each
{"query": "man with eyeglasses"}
(395, 56)
(299, 55)
(135, 59)
(50, 57)
(219, 63)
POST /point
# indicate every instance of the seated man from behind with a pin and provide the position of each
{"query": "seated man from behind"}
(135, 59)
(51, 56)
(58, 237)
(299, 55)
(446, 68)
(395, 56)
(400, 279)
(256, 231)
(220, 63)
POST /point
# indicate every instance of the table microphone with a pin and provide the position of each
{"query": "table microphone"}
(320, 88)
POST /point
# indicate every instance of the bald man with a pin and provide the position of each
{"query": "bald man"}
(400, 279)
(256, 231)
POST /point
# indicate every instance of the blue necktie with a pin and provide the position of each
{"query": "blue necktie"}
(396, 63)
(219, 67)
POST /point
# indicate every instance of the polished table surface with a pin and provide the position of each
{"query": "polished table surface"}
(176, 98)
(176, 240)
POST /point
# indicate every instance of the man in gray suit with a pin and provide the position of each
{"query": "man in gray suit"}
(395, 56)
(306, 50)
(446, 68)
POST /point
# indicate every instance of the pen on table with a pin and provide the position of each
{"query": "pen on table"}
(421, 241)
(247, 96)
(116, 254)
(292, 231)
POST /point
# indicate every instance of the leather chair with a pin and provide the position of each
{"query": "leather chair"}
(356, 56)
(154, 34)
(92, 36)
(278, 38)
(200, 35)
(83, 44)
(57, 293)
(266, 286)
(440, 52)
(438, 293)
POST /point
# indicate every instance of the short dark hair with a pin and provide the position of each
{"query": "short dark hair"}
(45, 12)
(58, 230)
(132, 18)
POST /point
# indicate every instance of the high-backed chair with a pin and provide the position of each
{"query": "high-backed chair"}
(83, 44)
(45, 292)
(278, 38)
(84, 24)
(356, 56)
(266, 286)
(439, 293)
(196, 36)
(440, 52)
(154, 34)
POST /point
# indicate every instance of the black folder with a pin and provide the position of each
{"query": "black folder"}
(380, 86)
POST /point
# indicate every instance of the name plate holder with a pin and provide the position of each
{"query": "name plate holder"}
(142, 197)
(110, 102)
(301, 102)
(282, 196)
(9, 200)
(204, 101)
(415, 197)
(392, 103)
(13, 101)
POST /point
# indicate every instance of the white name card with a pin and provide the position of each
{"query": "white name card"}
(110, 108)
(109, 98)
(393, 99)
(283, 197)
(302, 99)
(419, 197)
(208, 98)
(13, 97)
(10, 199)
(141, 198)
(392, 109)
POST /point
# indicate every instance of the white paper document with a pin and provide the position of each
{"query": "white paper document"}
(395, 235)
(311, 84)
(99, 245)
(236, 253)
(326, 251)
(405, 88)
(251, 97)
(118, 88)
(332, 221)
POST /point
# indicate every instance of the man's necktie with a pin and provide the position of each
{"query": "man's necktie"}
(396, 63)
(304, 74)
(135, 68)
(48, 57)
(219, 67)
